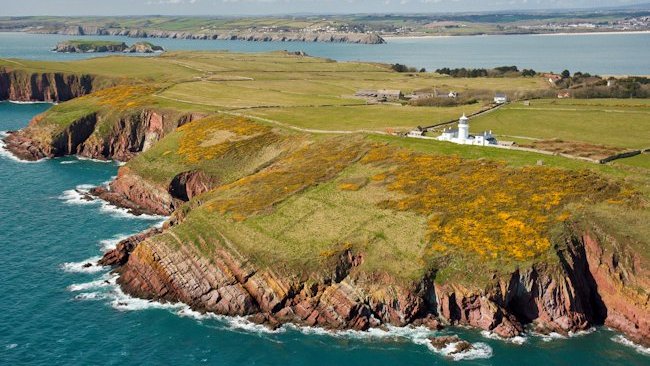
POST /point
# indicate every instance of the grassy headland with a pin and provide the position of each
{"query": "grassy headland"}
(305, 169)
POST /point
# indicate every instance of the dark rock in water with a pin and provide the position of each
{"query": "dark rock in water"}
(87, 265)
(445, 341)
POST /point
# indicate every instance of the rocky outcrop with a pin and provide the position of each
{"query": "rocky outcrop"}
(144, 47)
(138, 196)
(288, 36)
(68, 142)
(186, 185)
(105, 47)
(578, 295)
(89, 47)
(44, 87)
(130, 133)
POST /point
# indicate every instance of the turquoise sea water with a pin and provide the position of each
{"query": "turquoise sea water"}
(607, 54)
(55, 312)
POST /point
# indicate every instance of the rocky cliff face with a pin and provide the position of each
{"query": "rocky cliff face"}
(44, 87)
(620, 278)
(129, 134)
(584, 292)
(77, 47)
(72, 47)
(224, 35)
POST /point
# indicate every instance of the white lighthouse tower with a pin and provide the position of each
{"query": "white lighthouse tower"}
(463, 128)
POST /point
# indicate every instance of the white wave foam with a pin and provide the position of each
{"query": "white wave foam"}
(65, 162)
(28, 102)
(519, 340)
(86, 266)
(110, 244)
(79, 196)
(90, 296)
(83, 158)
(11, 346)
(551, 336)
(581, 333)
(626, 342)
(89, 285)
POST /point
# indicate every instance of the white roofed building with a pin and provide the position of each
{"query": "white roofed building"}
(461, 135)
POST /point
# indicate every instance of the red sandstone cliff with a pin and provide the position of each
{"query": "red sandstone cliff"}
(583, 293)
(22, 86)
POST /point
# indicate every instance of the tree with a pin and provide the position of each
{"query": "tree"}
(528, 72)
(399, 67)
(423, 70)
(566, 74)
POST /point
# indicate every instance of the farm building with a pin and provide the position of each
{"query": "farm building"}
(389, 94)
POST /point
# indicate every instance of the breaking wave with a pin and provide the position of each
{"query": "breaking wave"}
(106, 288)
(86, 266)
(80, 195)
(514, 340)
(620, 339)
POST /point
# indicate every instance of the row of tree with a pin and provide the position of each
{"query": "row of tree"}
(404, 68)
(500, 71)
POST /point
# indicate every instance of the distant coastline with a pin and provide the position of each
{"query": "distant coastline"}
(391, 37)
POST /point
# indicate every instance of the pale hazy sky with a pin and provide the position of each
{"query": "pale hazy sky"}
(241, 7)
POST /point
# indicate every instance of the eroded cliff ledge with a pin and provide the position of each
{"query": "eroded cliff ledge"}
(24, 86)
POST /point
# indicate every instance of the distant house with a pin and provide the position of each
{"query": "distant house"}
(416, 95)
(366, 93)
(389, 94)
(553, 78)
(451, 94)
(415, 133)
(500, 98)
(563, 94)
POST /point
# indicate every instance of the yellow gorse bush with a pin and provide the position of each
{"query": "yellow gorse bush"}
(209, 138)
(483, 207)
(123, 97)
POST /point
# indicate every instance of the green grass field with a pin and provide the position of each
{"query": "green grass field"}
(618, 123)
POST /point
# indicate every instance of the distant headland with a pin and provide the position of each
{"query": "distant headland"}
(91, 46)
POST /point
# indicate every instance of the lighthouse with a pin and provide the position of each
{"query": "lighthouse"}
(463, 128)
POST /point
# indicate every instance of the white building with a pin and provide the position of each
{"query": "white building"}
(460, 135)
(500, 98)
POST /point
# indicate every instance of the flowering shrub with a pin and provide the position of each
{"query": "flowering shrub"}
(209, 138)
(483, 207)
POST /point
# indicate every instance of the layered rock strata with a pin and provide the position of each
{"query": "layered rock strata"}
(584, 292)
